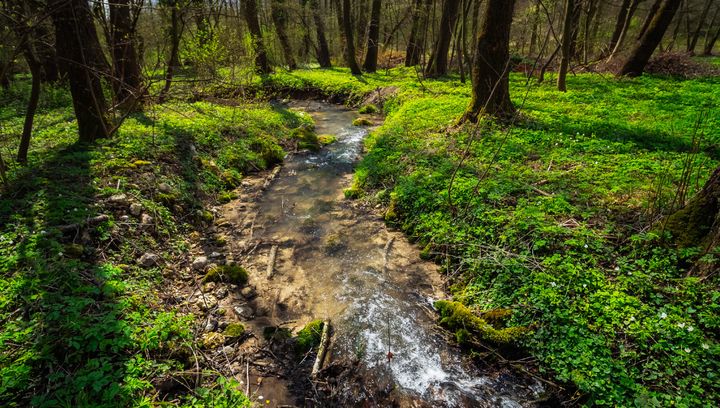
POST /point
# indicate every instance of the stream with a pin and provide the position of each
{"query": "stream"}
(337, 260)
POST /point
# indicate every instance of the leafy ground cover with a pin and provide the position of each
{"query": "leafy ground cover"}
(556, 217)
(83, 322)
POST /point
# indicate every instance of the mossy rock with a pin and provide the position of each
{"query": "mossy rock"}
(457, 317)
(276, 333)
(139, 163)
(231, 178)
(353, 193)
(231, 273)
(326, 139)
(226, 197)
(212, 340)
(368, 109)
(205, 216)
(234, 330)
(309, 337)
(362, 122)
(306, 138)
(167, 199)
(74, 250)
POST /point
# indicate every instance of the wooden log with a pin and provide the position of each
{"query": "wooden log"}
(271, 261)
(322, 350)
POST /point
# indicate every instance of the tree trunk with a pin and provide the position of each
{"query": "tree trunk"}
(36, 72)
(262, 64)
(280, 17)
(711, 40)
(698, 222)
(46, 54)
(323, 51)
(128, 75)
(651, 13)
(439, 64)
(640, 55)
(79, 50)
(565, 47)
(371, 57)
(415, 46)
(174, 57)
(350, 57)
(623, 32)
(491, 63)
(701, 21)
(619, 24)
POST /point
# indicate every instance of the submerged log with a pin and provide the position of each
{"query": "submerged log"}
(271, 261)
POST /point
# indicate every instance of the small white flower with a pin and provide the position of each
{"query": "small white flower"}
(705, 346)
(663, 315)
(586, 245)
(60, 254)
(632, 318)
(687, 350)
(617, 268)
(584, 285)
(43, 232)
(553, 284)
(260, 397)
(630, 273)
(681, 325)
(690, 328)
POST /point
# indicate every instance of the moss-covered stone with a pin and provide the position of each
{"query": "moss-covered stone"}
(306, 138)
(326, 139)
(231, 178)
(309, 336)
(139, 163)
(368, 109)
(212, 340)
(231, 273)
(353, 192)
(226, 196)
(362, 122)
(234, 330)
(74, 250)
(457, 317)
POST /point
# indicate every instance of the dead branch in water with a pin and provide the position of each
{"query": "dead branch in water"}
(386, 256)
(322, 350)
(271, 261)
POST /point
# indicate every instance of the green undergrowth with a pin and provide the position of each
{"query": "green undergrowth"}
(83, 321)
(552, 218)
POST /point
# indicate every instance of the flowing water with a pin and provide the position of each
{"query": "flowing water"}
(338, 261)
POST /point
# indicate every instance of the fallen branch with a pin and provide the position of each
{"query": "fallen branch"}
(271, 261)
(88, 222)
(386, 256)
(272, 176)
(322, 350)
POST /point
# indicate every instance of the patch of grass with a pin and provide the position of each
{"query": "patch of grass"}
(83, 322)
(309, 337)
(368, 109)
(550, 218)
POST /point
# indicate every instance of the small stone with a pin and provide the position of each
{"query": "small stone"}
(164, 188)
(206, 302)
(228, 350)
(244, 312)
(248, 292)
(124, 218)
(210, 286)
(213, 340)
(146, 219)
(136, 209)
(200, 263)
(118, 198)
(221, 293)
(149, 259)
(216, 255)
(210, 325)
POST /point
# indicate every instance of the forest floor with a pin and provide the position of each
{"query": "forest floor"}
(554, 218)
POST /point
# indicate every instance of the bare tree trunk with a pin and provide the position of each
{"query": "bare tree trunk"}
(416, 47)
(262, 64)
(79, 51)
(565, 48)
(651, 13)
(623, 32)
(491, 64)
(701, 21)
(350, 57)
(371, 57)
(128, 75)
(439, 64)
(711, 38)
(323, 52)
(279, 16)
(640, 55)
(619, 25)
(174, 57)
(36, 72)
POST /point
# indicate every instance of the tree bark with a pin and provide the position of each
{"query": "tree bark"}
(128, 75)
(491, 63)
(347, 28)
(623, 32)
(415, 46)
(711, 37)
(174, 58)
(701, 21)
(79, 50)
(565, 45)
(279, 16)
(36, 73)
(643, 50)
(371, 57)
(651, 13)
(262, 64)
(323, 51)
(619, 24)
(439, 64)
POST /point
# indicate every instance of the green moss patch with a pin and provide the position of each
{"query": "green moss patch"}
(457, 317)
(231, 273)
(309, 337)
(234, 330)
